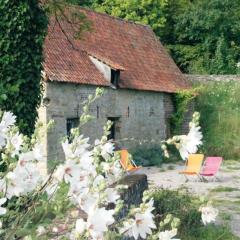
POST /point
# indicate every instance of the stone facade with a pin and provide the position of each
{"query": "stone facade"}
(140, 116)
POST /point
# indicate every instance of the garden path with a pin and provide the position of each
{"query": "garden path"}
(225, 194)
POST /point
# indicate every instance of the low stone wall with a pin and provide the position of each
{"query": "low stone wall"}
(210, 78)
(137, 184)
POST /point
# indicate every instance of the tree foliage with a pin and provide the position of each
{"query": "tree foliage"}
(23, 27)
(202, 35)
(149, 12)
(207, 37)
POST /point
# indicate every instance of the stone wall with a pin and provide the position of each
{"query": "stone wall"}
(169, 109)
(140, 114)
(136, 185)
(207, 78)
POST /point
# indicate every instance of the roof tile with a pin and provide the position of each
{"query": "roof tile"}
(131, 47)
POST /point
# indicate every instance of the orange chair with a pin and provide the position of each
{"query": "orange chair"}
(194, 164)
(126, 163)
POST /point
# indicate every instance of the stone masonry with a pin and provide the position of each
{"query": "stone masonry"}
(141, 116)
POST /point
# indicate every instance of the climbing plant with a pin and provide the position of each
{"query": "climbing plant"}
(181, 101)
(23, 26)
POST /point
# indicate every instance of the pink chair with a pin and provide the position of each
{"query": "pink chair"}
(211, 167)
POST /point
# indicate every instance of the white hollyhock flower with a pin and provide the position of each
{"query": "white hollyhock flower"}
(107, 150)
(98, 221)
(209, 214)
(8, 119)
(25, 158)
(168, 235)
(81, 226)
(75, 149)
(112, 195)
(31, 177)
(2, 140)
(2, 210)
(67, 148)
(14, 185)
(3, 185)
(141, 225)
(81, 145)
(16, 141)
(189, 143)
(22, 179)
(38, 151)
(86, 163)
(67, 171)
(88, 202)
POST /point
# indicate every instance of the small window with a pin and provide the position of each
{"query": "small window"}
(114, 128)
(151, 112)
(71, 123)
(115, 75)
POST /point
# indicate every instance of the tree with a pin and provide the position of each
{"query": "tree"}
(202, 29)
(23, 26)
(190, 29)
(149, 12)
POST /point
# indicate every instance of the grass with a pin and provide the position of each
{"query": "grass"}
(218, 104)
(225, 216)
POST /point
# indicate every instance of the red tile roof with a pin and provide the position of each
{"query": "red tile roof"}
(125, 45)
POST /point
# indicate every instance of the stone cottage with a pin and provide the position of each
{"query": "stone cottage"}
(124, 58)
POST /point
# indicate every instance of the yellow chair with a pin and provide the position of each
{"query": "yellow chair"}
(126, 163)
(193, 165)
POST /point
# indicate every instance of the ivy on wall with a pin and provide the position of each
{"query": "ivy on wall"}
(181, 101)
(23, 26)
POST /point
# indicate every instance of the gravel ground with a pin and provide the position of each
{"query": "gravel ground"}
(224, 193)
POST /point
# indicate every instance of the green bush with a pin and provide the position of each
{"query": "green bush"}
(219, 105)
(185, 207)
(153, 156)
(148, 156)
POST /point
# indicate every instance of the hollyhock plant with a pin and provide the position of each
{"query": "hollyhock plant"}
(186, 144)
(2, 210)
(209, 214)
(86, 177)
(168, 235)
(141, 223)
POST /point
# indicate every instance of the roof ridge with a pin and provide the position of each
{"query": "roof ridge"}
(109, 16)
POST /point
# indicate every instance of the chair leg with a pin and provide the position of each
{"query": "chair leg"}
(218, 179)
(186, 178)
(199, 177)
(205, 179)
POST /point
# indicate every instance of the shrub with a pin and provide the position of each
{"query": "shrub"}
(186, 207)
(154, 156)
(148, 156)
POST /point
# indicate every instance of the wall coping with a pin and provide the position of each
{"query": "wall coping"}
(214, 78)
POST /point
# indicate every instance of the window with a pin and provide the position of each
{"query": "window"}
(71, 123)
(97, 111)
(151, 112)
(114, 128)
(115, 75)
